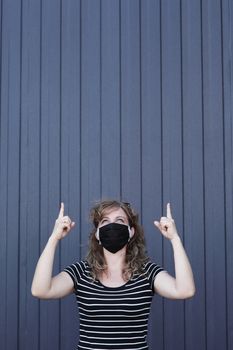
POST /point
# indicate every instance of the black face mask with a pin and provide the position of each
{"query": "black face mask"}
(114, 237)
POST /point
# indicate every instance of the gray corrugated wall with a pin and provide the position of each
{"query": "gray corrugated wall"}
(127, 99)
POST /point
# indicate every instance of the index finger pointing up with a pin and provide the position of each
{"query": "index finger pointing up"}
(169, 214)
(61, 212)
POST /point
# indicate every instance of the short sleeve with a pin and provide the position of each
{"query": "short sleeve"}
(152, 270)
(75, 271)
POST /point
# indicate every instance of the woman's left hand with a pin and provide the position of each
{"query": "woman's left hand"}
(166, 225)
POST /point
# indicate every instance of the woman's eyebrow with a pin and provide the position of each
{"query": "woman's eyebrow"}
(117, 217)
(104, 217)
(121, 217)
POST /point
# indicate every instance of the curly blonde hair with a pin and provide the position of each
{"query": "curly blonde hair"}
(136, 255)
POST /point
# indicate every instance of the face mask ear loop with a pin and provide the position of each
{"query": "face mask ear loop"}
(130, 234)
(97, 235)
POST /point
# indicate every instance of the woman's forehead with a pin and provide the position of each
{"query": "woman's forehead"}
(109, 212)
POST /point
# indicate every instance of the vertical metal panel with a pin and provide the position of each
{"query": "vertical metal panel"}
(3, 195)
(10, 131)
(29, 174)
(3, 181)
(172, 144)
(151, 147)
(194, 235)
(70, 155)
(110, 100)
(227, 30)
(127, 99)
(50, 153)
(214, 176)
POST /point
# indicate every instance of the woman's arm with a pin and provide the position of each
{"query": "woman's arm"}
(45, 286)
(182, 286)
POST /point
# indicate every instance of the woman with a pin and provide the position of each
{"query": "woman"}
(115, 284)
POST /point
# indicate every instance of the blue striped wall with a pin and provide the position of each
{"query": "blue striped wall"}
(131, 99)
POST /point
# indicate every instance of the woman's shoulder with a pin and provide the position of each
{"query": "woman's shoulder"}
(80, 266)
(78, 271)
(151, 270)
(152, 267)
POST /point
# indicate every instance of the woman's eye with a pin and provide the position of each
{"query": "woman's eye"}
(121, 220)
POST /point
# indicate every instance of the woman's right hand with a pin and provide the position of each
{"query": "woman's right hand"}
(45, 286)
(63, 225)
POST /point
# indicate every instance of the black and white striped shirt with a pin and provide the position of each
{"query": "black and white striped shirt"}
(113, 317)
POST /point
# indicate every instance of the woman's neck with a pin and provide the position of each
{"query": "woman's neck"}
(115, 262)
(113, 276)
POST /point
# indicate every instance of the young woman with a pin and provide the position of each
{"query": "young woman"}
(115, 284)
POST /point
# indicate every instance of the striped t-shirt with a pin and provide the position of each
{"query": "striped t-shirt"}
(113, 317)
